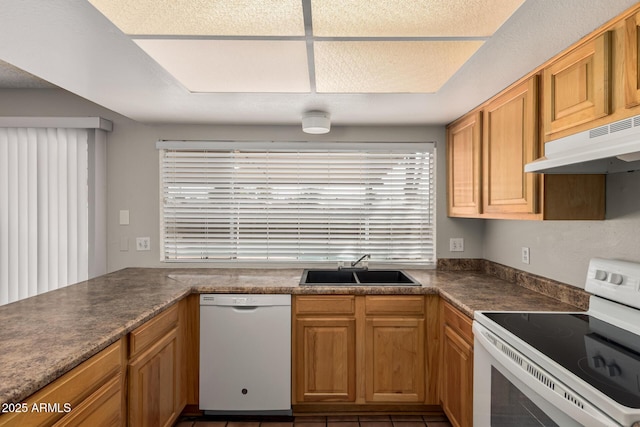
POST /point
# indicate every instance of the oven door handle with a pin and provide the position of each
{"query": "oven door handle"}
(539, 381)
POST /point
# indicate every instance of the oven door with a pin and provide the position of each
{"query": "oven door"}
(511, 390)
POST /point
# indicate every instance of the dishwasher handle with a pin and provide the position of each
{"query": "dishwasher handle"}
(245, 308)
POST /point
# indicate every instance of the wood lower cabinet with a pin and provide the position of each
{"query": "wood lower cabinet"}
(155, 371)
(325, 355)
(102, 409)
(90, 394)
(324, 346)
(359, 349)
(456, 375)
(394, 349)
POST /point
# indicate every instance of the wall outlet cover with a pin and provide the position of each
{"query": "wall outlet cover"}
(525, 255)
(456, 244)
(143, 243)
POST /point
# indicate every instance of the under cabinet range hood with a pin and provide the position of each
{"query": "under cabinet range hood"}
(607, 149)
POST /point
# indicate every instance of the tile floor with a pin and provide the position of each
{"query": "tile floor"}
(329, 421)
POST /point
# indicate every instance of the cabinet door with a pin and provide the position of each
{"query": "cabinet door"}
(394, 360)
(153, 384)
(577, 87)
(631, 68)
(510, 141)
(464, 165)
(457, 378)
(325, 360)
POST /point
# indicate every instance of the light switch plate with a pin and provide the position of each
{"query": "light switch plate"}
(124, 217)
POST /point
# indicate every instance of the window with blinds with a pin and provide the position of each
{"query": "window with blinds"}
(297, 205)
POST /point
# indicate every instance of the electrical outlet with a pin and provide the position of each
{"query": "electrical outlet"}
(143, 243)
(525, 255)
(456, 244)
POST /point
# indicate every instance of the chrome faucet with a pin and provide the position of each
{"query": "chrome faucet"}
(353, 264)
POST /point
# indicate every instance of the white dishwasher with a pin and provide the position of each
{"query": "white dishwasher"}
(245, 354)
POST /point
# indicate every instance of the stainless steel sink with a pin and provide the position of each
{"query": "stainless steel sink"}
(356, 277)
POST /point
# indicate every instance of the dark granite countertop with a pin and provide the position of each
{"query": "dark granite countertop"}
(47, 335)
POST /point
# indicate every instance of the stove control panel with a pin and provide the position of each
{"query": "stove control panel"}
(614, 280)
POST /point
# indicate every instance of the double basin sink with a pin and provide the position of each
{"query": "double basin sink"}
(356, 277)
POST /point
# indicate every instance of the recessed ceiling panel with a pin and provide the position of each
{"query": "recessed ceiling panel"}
(233, 65)
(402, 18)
(205, 17)
(387, 66)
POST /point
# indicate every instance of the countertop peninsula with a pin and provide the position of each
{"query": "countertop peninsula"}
(45, 336)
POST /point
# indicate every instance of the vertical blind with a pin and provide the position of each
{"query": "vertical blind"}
(236, 205)
(43, 210)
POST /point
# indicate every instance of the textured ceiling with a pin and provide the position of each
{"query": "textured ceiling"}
(328, 62)
(352, 46)
(402, 18)
(205, 17)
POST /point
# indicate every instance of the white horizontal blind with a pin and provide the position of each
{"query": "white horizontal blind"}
(297, 205)
(43, 210)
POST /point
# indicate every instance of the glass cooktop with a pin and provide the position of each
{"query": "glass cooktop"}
(605, 356)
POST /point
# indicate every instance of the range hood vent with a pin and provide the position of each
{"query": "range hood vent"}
(607, 149)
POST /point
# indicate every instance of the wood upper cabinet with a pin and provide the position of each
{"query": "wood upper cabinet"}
(464, 148)
(155, 371)
(577, 86)
(631, 58)
(324, 346)
(510, 141)
(394, 349)
(456, 376)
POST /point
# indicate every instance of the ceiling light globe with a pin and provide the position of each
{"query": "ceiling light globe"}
(316, 122)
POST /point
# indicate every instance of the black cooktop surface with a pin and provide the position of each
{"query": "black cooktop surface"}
(605, 356)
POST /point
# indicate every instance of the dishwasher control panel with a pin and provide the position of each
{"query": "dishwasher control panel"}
(252, 300)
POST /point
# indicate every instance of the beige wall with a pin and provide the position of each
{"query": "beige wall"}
(559, 249)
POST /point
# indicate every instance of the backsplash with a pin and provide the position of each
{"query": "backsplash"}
(551, 288)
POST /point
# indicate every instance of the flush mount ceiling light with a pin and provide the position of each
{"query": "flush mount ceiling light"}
(316, 122)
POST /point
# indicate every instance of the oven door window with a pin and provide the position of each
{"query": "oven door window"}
(510, 407)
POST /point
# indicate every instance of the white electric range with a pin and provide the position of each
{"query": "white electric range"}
(563, 369)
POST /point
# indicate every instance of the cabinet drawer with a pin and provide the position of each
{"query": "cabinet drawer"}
(394, 304)
(102, 408)
(329, 304)
(72, 388)
(458, 322)
(146, 335)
